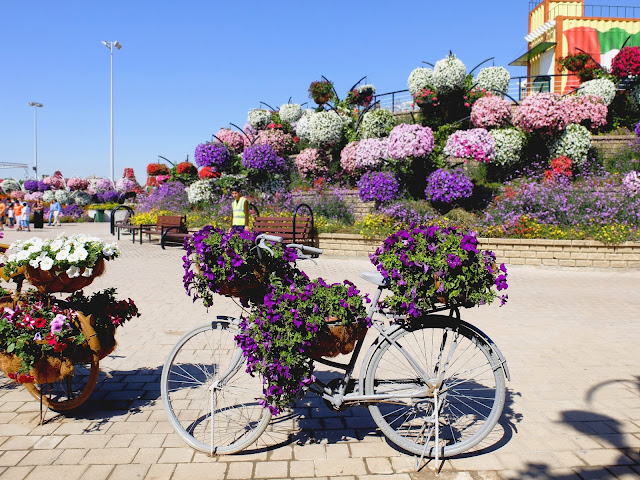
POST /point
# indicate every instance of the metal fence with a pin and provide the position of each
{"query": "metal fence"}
(601, 11)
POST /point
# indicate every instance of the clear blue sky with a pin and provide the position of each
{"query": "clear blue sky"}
(188, 68)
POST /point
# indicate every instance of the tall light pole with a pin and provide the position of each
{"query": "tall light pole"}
(110, 46)
(35, 106)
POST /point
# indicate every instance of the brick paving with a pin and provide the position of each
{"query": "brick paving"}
(573, 406)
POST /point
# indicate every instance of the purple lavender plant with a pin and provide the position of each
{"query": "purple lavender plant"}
(378, 186)
(168, 196)
(447, 186)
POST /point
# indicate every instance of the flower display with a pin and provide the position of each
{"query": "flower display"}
(43, 187)
(574, 143)
(233, 140)
(325, 129)
(626, 63)
(76, 183)
(290, 112)
(426, 98)
(108, 196)
(75, 255)
(560, 167)
(208, 172)
(348, 159)
(321, 91)
(303, 128)
(447, 186)
(9, 185)
(103, 184)
(587, 110)
(449, 74)
(427, 265)
(34, 196)
(281, 142)
(600, 87)
(494, 80)
(371, 152)
(107, 310)
(413, 141)
(378, 187)
(170, 196)
(215, 155)
(491, 111)
(63, 197)
(541, 113)
(17, 195)
(263, 158)
(361, 95)
(125, 185)
(474, 144)
(259, 118)
(80, 198)
(376, 123)
(186, 168)
(49, 196)
(509, 143)
(311, 162)
(55, 181)
(30, 186)
(201, 191)
(631, 182)
(419, 79)
(155, 169)
(279, 335)
(634, 96)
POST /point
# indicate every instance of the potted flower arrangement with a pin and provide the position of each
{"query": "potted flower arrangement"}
(430, 265)
(281, 336)
(155, 169)
(63, 264)
(361, 95)
(321, 91)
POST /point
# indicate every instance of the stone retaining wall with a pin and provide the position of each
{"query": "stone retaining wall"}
(563, 253)
(610, 145)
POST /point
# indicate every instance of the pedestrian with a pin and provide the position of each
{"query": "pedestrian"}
(55, 212)
(3, 208)
(240, 209)
(38, 215)
(25, 216)
(10, 214)
(17, 213)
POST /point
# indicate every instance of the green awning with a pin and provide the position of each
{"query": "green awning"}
(523, 60)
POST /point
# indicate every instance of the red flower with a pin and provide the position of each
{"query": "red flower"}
(60, 346)
(25, 378)
(51, 339)
(208, 172)
(40, 322)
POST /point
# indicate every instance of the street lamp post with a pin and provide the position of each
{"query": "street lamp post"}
(35, 106)
(110, 46)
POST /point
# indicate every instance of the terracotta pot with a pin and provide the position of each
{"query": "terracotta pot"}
(48, 281)
(335, 339)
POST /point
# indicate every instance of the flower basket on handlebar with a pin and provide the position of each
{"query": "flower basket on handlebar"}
(335, 339)
(246, 287)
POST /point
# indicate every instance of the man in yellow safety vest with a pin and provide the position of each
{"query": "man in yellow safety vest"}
(240, 207)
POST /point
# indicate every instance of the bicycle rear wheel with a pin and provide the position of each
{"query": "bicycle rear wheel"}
(455, 358)
(209, 398)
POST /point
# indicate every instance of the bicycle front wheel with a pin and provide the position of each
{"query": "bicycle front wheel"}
(436, 360)
(209, 398)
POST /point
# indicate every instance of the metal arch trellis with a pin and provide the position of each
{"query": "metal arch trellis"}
(16, 165)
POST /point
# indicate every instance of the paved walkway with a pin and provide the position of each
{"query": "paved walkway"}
(571, 338)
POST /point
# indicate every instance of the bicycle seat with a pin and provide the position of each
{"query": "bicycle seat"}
(376, 278)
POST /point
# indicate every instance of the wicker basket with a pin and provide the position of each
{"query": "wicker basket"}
(49, 281)
(244, 288)
(106, 336)
(335, 339)
(46, 370)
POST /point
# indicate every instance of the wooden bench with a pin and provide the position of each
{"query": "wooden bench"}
(296, 229)
(163, 223)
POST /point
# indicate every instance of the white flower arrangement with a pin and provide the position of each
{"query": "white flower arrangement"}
(75, 255)
(509, 145)
(601, 87)
(376, 124)
(290, 112)
(325, 128)
(418, 79)
(80, 198)
(10, 185)
(63, 197)
(493, 79)
(449, 74)
(201, 191)
(366, 88)
(49, 196)
(303, 130)
(345, 115)
(259, 118)
(574, 143)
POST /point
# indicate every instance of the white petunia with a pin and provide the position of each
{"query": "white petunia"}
(73, 271)
(22, 255)
(62, 254)
(87, 272)
(46, 263)
(56, 245)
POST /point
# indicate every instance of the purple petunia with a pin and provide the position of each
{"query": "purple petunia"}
(453, 261)
(263, 158)
(378, 186)
(447, 186)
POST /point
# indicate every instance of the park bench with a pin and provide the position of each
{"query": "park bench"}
(121, 220)
(296, 229)
(162, 225)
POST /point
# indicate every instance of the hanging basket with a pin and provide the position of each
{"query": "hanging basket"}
(334, 338)
(247, 287)
(444, 298)
(49, 281)
(45, 370)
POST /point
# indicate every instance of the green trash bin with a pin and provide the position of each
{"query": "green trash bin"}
(99, 216)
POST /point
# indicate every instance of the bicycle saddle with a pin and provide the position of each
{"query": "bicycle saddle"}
(376, 278)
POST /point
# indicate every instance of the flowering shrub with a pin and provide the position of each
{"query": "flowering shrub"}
(560, 167)
(201, 191)
(170, 196)
(125, 185)
(495, 80)
(264, 159)
(155, 169)
(574, 143)
(509, 143)
(427, 265)
(325, 128)
(30, 186)
(378, 186)
(474, 144)
(76, 183)
(449, 74)
(290, 112)
(587, 110)
(376, 123)
(282, 143)
(600, 87)
(9, 185)
(447, 186)
(63, 197)
(311, 162)
(626, 63)
(419, 79)
(348, 160)
(280, 334)
(631, 182)
(541, 113)
(233, 140)
(104, 184)
(259, 118)
(214, 155)
(491, 111)
(371, 152)
(410, 141)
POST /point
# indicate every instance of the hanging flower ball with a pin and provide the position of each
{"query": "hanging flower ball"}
(494, 80)
(259, 118)
(290, 112)
(419, 79)
(449, 74)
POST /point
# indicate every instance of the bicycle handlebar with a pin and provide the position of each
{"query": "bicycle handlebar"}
(271, 238)
(305, 248)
